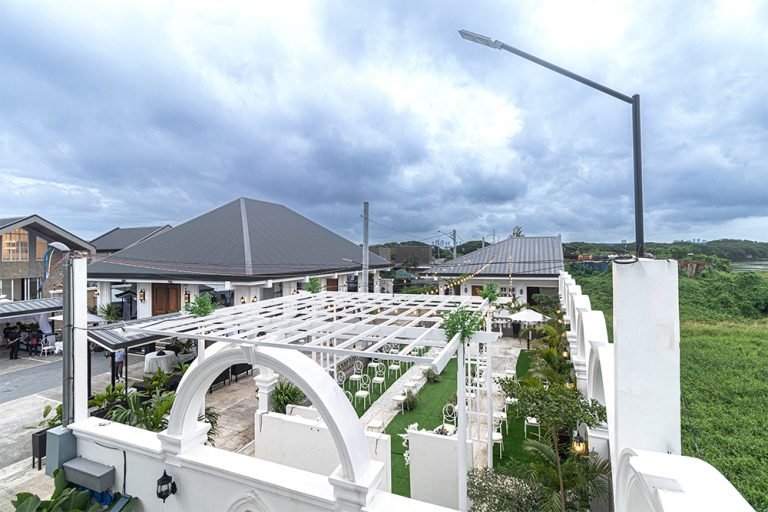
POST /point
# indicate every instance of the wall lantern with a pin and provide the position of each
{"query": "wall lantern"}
(255, 299)
(242, 300)
(570, 385)
(96, 293)
(465, 289)
(186, 295)
(579, 444)
(165, 486)
(566, 354)
(142, 295)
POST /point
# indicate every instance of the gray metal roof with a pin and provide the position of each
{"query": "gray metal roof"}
(46, 228)
(244, 240)
(114, 337)
(529, 255)
(18, 308)
(120, 238)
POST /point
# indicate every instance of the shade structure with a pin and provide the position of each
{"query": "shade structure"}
(528, 316)
(92, 319)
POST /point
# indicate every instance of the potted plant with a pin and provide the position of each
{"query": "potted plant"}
(40, 437)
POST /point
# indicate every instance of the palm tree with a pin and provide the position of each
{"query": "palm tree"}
(110, 312)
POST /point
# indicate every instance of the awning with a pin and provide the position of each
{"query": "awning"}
(18, 308)
(114, 337)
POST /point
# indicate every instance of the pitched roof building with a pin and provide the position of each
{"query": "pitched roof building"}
(27, 259)
(522, 266)
(254, 249)
(118, 239)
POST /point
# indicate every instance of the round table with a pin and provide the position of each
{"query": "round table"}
(153, 361)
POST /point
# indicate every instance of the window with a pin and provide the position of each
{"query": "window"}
(16, 245)
(40, 247)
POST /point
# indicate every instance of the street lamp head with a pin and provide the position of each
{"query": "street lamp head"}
(480, 39)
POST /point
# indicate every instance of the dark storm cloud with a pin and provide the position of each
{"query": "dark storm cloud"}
(128, 115)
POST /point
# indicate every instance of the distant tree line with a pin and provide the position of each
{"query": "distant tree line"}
(734, 250)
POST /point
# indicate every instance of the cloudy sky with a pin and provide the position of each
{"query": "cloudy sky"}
(151, 113)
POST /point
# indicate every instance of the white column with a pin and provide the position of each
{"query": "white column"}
(144, 308)
(80, 341)
(105, 293)
(646, 329)
(265, 381)
(461, 427)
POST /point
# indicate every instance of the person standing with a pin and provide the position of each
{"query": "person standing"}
(14, 342)
(119, 362)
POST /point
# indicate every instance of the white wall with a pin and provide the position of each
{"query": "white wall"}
(306, 443)
(434, 467)
(144, 309)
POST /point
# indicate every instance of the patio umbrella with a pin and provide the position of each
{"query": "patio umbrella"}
(529, 316)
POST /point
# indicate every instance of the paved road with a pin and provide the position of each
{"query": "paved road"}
(27, 376)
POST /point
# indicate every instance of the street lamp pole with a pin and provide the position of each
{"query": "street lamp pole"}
(633, 100)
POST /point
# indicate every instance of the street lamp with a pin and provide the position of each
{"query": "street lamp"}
(634, 101)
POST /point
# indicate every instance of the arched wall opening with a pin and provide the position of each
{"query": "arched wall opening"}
(333, 407)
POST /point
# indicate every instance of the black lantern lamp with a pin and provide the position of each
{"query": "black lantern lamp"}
(242, 300)
(186, 295)
(566, 355)
(165, 486)
(142, 295)
(579, 444)
(255, 299)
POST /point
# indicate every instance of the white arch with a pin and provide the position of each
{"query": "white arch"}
(660, 482)
(251, 502)
(581, 304)
(320, 388)
(591, 327)
(600, 375)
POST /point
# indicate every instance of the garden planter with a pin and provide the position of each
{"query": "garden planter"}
(38, 447)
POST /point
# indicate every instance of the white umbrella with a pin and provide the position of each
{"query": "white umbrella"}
(528, 316)
(92, 319)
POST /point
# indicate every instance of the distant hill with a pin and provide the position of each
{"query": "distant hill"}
(734, 250)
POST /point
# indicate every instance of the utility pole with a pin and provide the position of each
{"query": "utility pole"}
(364, 278)
(454, 243)
(483, 246)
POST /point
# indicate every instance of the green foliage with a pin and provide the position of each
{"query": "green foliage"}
(201, 306)
(157, 380)
(54, 420)
(546, 304)
(490, 492)
(463, 322)
(584, 477)
(717, 251)
(431, 376)
(419, 290)
(109, 397)
(285, 393)
(490, 291)
(314, 285)
(411, 401)
(212, 418)
(150, 414)
(110, 312)
(65, 498)
(517, 232)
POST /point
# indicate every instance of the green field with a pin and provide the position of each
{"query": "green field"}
(724, 372)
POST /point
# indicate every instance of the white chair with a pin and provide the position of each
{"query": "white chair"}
(364, 391)
(376, 425)
(374, 364)
(348, 395)
(449, 419)
(497, 437)
(341, 377)
(46, 347)
(532, 422)
(400, 400)
(394, 368)
(357, 376)
(499, 410)
(380, 379)
(58, 347)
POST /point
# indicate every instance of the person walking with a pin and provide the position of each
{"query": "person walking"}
(14, 342)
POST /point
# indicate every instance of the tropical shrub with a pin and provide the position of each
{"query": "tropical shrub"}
(285, 393)
(490, 492)
(314, 285)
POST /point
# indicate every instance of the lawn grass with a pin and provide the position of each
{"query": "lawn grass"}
(429, 415)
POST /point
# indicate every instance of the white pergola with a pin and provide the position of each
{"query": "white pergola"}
(333, 325)
(336, 328)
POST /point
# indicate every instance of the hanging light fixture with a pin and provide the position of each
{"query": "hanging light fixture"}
(142, 295)
(165, 486)
(579, 444)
